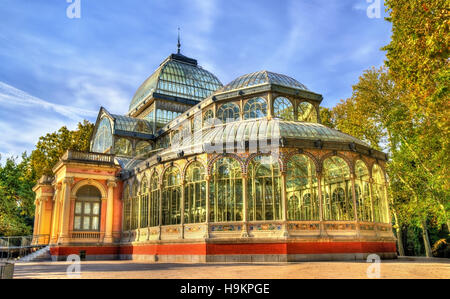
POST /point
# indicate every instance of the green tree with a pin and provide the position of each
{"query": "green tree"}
(417, 57)
(52, 146)
(16, 197)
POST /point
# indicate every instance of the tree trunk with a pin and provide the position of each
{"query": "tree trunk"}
(426, 240)
(398, 229)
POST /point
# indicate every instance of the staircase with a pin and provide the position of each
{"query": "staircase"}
(37, 256)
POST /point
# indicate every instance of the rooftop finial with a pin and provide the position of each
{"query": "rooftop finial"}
(179, 43)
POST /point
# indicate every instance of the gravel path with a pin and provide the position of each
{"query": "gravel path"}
(401, 268)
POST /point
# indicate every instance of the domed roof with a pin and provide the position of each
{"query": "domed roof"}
(263, 77)
(178, 76)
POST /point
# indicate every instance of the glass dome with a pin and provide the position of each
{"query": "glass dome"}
(263, 77)
(178, 76)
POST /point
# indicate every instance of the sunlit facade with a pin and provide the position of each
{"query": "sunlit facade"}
(201, 172)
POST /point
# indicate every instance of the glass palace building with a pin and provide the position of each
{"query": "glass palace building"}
(200, 172)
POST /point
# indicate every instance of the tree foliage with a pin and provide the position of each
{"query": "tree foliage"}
(403, 109)
(18, 178)
(16, 196)
(52, 146)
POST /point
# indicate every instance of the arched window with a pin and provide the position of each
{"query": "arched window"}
(135, 205)
(255, 108)
(87, 209)
(302, 189)
(306, 113)
(123, 147)
(228, 112)
(336, 181)
(144, 203)
(264, 189)
(208, 118)
(143, 147)
(226, 199)
(380, 205)
(103, 138)
(283, 108)
(126, 208)
(154, 200)
(363, 205)
(171, 197)
(195, 194)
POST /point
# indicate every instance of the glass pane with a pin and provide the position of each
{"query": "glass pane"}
(95, 223)
(87, 208)
(86, 223)
(77, 222)
(78, 208)
(96, 208)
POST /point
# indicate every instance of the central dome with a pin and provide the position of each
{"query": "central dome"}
(263, 77)
(178, 76)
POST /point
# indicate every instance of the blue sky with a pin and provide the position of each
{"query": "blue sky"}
(57, 71)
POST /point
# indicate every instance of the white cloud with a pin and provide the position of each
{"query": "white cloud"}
(10, 95)
(30, 118)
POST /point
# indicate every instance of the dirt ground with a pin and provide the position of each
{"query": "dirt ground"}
(401, 268)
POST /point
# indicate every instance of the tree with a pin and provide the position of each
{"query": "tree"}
(326, 117)
(417, 57)
(17, 179)
(16, 197)
(52, 146)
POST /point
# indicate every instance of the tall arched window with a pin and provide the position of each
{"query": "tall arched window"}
(144, 203)
(103, 138)
(123, 147)
(363, 205)
(264, 189)
(283, 108)
(195, 194)
(87, 209)
(380, 205)
(228, 112)
(154, 200)
(306, 112)
(226, 199)
(255, 108)
(208, 118)
(171, 197)
(126, 208)
(135, 205)
(336, 182)
(302, 189)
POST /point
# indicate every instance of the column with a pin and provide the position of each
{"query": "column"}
(375, 228)
(319, 194)
(355, 210)
(269, 105)
(55, 216)
(160, 211)
(208, 205)
(41, 212)
(183, 183)
(36, 222)
(245, 205)
(387, 201)
(284, 204)
(371, 199)
(64, 234)
(110, 212)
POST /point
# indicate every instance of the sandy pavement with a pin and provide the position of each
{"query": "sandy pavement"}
(401, 268)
